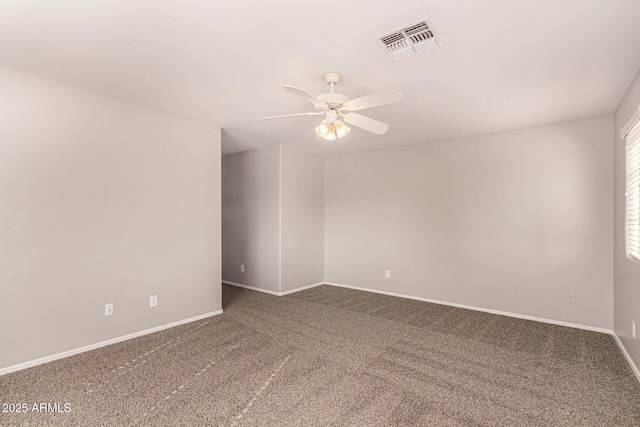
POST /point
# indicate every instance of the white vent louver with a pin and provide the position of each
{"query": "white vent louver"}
(413, 38)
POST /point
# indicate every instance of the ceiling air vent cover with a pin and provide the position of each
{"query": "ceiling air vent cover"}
(411, 39)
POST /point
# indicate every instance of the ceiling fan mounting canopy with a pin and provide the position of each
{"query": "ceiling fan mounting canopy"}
(332, 77)
(336, 105)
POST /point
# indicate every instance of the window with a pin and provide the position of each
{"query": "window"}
(632, 194)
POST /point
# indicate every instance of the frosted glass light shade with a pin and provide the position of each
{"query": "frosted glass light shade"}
(341, 129)
(324, 129)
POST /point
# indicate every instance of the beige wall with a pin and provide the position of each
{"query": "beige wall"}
(302, 208)
(273, 218)
(101, 201)
(626, 272)
(512, 221)
(250, 218)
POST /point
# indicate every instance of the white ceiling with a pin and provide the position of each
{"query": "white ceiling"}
(505, 64)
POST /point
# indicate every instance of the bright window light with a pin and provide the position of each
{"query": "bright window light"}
(632, 234)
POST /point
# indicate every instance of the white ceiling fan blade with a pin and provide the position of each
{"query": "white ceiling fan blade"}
(306, 95)
(377, 99)
(313, 113)
(366, 123)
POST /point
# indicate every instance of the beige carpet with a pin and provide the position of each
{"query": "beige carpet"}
(332, 356)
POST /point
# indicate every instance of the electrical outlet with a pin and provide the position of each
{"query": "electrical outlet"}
(108, 309)
(153, 301)
(387, 274)
(571, 298)
(633, 329)
(241, 268)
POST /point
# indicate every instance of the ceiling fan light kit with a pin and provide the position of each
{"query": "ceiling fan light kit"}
(332, 131)
(335, 106)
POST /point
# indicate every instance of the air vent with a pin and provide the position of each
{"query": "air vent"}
(413, 38)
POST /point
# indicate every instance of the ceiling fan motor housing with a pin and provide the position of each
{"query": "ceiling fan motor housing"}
(333, 99)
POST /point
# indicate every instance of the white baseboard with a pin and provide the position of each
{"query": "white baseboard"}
(267, 291)
(302, 288)
(251, 288)
(633, 366)
(486, 310)
(78, 350)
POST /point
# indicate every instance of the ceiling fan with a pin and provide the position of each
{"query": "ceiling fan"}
(335, 106)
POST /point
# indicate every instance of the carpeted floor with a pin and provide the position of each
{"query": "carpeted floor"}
(333, 356)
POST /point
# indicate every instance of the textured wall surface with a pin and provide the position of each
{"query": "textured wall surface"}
(627, 271)
(101, 201)
(512, 221)
(302, 199)
(250, 218)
